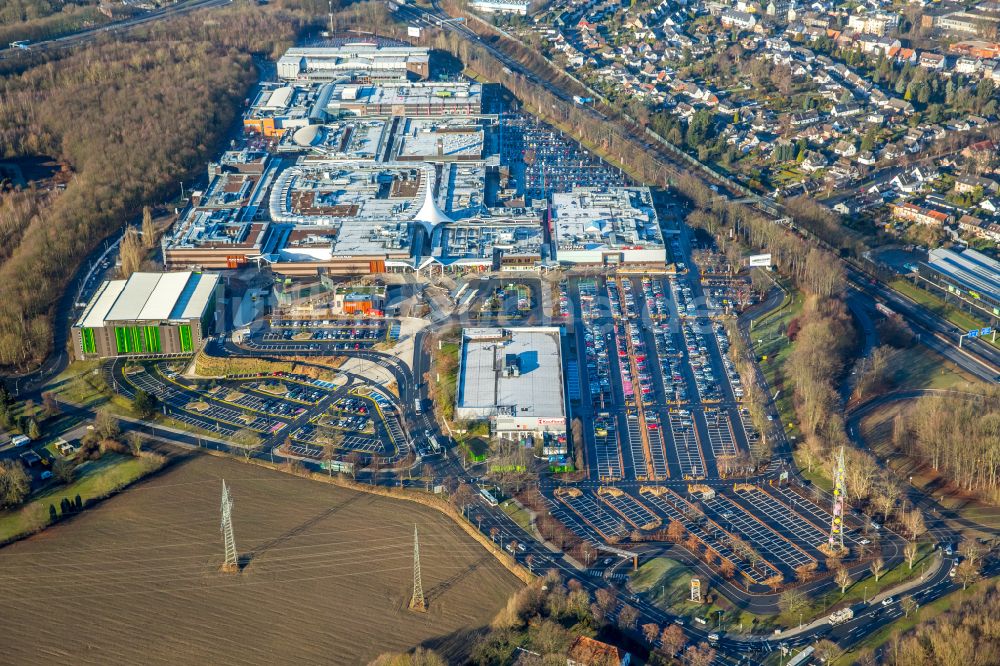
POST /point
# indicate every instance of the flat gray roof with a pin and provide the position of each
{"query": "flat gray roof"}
(150, 297)
(536, 392)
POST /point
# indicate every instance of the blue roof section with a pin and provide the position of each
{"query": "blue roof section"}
(970, 269)
(182, 301)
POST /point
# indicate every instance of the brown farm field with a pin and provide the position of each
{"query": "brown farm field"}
(328, 577)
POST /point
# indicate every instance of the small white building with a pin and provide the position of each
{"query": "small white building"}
(519, 7)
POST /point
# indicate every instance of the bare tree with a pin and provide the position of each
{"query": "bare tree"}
(627, 617)
(793, 601)
(607, 599)
(843, 579)
(910, 552)
(914, 523)
(909, 604)
(651, 631)
(877, 567)
(106, 423)
(967, 573)
(673, 639)
(136, 441)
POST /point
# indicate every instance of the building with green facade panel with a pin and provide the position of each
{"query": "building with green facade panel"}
(149, 314)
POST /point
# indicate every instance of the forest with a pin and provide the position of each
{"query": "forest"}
(130, 123)
(958, 436)
(33, 20)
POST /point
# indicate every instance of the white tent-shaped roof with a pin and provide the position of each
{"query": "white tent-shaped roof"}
(429, 212)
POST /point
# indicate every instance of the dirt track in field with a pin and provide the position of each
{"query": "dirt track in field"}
(136, 580)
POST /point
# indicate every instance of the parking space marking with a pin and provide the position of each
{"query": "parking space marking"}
(631, 509)
(606, 523)
(686, 446)
(806, 535)
(816, 514)
(759, 535)
(720, 434)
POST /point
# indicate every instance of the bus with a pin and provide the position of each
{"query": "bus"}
(488, 496)
(418, 406)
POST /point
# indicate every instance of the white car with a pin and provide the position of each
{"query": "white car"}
(888, 601)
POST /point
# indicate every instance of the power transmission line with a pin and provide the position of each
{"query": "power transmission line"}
(836, 539)
(231, 563)
(417, 600)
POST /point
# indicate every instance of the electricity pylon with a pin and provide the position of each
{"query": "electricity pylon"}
(231, 563)
(417, 600)
(835, 542)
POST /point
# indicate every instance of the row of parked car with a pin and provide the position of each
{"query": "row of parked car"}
(598, 365)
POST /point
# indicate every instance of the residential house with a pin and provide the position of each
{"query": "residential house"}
(736, 19)
(804, 118)
(970, 183)
(845, 110)
(845, 148)
(913, 213)
(586, 651)
(933, 61)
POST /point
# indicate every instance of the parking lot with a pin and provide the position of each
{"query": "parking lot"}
(673, 507)
(778, 549)
(792, 525)
(196, 408)
(686, 446)
(605, 522)
(547, 161)
(720, 434)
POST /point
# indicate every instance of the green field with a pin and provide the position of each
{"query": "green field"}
(919, 367)
(668, 584)
(95, 479)
(518, 515)
(772, 347)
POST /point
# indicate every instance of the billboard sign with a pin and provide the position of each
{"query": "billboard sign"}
(412, 31)
(760, 259)
(696, 590)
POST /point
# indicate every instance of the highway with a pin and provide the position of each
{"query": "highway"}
(976, 357)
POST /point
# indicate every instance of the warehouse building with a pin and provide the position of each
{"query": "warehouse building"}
(607, 226)
(967, 276)
(149, 313)
(514, 378)
(366, 61)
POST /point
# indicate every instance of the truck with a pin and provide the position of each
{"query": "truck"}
(580, 101)
(841, 616)
(418, 406)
